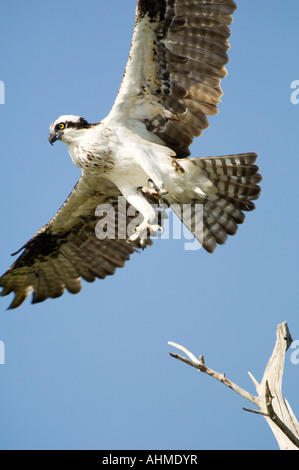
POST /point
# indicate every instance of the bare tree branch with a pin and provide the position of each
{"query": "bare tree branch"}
(269, 400)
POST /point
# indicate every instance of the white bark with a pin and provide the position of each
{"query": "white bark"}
(270, 401)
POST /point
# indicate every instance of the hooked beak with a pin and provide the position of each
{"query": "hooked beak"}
(53, 137)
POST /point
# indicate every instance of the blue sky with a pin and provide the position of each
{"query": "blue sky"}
(92, 371)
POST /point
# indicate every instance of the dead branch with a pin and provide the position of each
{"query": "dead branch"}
(270, 402)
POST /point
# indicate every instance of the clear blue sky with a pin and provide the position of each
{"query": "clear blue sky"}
(92, 371)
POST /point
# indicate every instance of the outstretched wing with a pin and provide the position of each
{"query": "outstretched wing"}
(67, 248)
(176, 62)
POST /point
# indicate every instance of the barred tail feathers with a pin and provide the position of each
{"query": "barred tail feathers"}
(225, 186)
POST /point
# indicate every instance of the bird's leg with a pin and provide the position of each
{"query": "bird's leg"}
(149, 224)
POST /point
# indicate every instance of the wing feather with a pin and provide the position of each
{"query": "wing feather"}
(67, 249)
(177, 59)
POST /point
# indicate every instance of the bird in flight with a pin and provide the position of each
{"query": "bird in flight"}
(140, 152)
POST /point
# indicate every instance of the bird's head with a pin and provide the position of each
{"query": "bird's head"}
(68, 128)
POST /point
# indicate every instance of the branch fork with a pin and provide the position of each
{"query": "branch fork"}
(269, 400)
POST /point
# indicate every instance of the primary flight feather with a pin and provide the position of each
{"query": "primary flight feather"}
(139, 152)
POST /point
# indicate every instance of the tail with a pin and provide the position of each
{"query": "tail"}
(225, 187)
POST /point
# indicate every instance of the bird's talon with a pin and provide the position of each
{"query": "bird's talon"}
(156, 229)
(153, 191)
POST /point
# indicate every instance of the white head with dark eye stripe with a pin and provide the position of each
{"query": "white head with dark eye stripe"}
(68, 128)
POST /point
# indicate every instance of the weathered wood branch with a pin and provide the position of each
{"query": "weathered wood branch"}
(270, 402)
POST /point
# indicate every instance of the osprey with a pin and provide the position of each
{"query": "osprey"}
(139, 151)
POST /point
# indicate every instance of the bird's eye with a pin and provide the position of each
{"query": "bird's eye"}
(61, 126)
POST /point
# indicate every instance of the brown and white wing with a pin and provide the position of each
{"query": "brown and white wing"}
(176, 62)
(67, 248)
